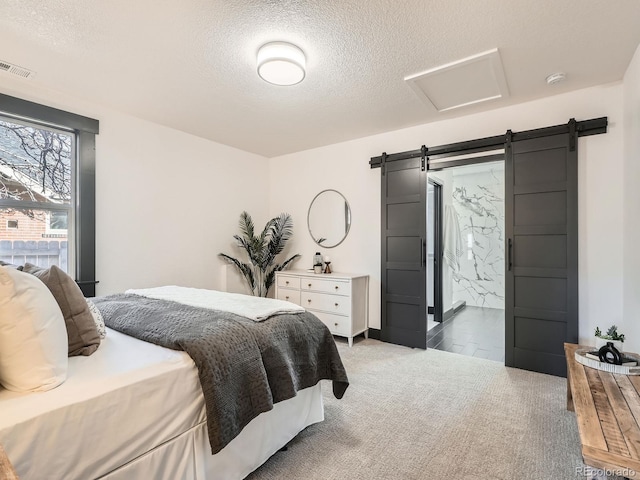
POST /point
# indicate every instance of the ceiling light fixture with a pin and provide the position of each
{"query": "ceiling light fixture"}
(555, 78)
(281, 63)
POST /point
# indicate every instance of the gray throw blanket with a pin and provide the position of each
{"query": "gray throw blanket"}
(244, 366)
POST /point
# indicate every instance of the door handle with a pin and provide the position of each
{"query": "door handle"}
(509, 253)
(423, 252)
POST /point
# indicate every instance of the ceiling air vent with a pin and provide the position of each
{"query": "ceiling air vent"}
(472, 80)
(15, 69)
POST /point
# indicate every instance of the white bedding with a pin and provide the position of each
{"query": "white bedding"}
(134, 408)
(125, 398)
(255, 308)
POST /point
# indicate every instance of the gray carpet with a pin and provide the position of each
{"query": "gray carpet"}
(413, 414)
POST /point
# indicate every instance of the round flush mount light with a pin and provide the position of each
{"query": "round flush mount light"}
(555, 78)
(281, 63)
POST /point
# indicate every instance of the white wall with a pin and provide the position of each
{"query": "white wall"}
(296, 178)
(167, 202)
(631, 228)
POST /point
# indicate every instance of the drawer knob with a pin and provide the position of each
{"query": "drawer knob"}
(336, 287)
(336, 304)
(287, 282)
(286, 298)
(309, 285)
(309, 300)
(336, 324)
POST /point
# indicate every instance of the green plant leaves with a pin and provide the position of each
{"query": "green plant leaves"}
(612, 334)
(262, 251)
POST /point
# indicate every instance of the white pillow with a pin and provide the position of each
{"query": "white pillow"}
(97, 319)
(33, 335)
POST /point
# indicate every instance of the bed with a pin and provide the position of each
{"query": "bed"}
(134, 409)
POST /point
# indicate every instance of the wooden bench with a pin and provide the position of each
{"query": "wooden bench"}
(607, 408)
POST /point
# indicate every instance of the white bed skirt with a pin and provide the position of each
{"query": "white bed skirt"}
(134, 410)
(188, 456)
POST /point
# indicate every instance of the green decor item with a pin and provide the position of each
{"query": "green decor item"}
(262, 250)
(612, 334)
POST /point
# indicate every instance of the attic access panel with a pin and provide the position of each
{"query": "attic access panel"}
(472, 80)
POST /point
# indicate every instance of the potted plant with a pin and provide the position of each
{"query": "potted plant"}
(612, 336)
(262, 251)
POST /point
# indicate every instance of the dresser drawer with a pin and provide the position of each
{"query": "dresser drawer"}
(289, 282)
(326, 285)
(337, 325)
(339, 300)
(292, 296)
(326, 302)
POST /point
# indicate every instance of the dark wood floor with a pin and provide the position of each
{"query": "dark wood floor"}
(473, 331)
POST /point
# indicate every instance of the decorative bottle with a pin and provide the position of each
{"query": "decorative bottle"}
(317, 259)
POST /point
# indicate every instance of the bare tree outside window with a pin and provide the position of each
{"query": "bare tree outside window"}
(34, 161)
(35, 193)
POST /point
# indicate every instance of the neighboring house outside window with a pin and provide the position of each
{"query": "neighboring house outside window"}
(47, 189)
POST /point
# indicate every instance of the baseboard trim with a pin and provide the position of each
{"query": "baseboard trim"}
(374, 333)
(459, 305)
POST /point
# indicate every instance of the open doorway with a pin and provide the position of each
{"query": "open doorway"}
(434, 253)
(541, 216)
(468, 222)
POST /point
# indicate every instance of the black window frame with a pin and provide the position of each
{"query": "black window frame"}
(85, 130)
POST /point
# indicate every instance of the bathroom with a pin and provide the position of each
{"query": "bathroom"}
(466, 260)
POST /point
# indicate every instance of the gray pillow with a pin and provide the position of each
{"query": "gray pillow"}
(81, 329)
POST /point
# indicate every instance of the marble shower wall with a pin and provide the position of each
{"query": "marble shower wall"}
(478, 198)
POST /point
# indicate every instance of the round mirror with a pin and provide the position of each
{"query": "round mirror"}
(329, 218)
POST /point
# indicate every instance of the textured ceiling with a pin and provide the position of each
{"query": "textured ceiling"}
(190, 64)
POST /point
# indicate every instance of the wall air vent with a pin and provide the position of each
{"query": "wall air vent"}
(15, 70)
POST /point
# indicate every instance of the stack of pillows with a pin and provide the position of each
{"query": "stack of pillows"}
(44, 319)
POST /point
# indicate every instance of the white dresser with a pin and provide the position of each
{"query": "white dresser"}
(340, 300)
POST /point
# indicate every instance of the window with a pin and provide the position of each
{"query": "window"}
(47, 185)
(36, 187)
(57, 225)
(58, 221)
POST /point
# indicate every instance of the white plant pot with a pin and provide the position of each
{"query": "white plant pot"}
(601, 342)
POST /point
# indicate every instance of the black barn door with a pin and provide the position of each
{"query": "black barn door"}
(404, 290)
(541, 220)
